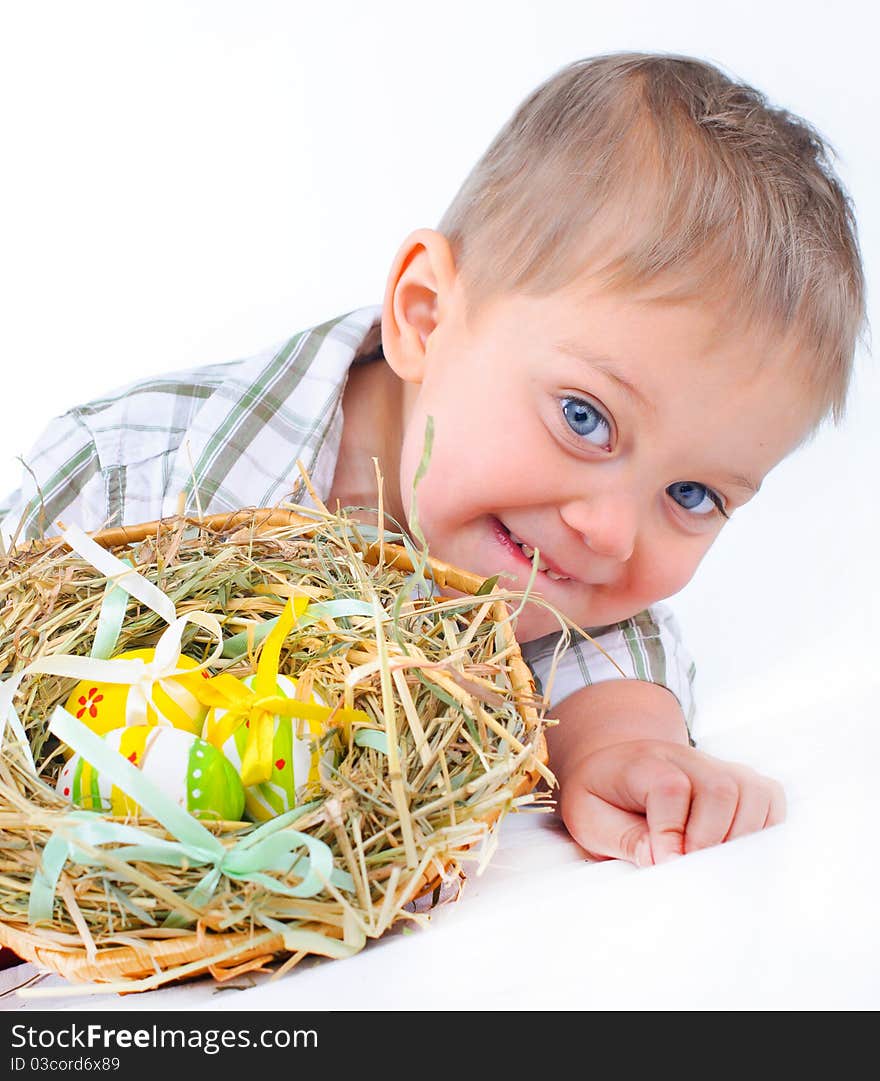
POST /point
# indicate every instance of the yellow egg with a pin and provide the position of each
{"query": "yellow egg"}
(105, 706)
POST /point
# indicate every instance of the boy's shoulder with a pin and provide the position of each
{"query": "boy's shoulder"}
(223, 435)
(158, 410)
(162, 401)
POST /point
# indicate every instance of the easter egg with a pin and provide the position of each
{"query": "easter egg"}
(105, 706)
(181, 765)
(297, 761)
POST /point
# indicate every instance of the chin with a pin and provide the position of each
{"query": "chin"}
(534, 622)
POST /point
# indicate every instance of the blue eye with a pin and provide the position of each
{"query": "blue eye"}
(586, 421)
(696, 498)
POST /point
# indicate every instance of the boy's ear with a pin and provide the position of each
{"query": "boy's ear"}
(417, 293)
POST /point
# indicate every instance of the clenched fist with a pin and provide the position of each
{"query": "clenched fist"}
(650, 800)
(631, 786)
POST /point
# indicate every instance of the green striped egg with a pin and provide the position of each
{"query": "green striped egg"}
(294, 759)
(183, 766)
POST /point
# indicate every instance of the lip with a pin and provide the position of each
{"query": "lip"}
(502, 534)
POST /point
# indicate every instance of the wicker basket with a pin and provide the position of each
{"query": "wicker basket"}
(129, 954)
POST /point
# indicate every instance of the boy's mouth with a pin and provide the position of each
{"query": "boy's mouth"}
(523, 551)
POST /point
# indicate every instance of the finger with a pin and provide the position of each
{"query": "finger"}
(778, 806)
(715, 803)
(718, 788)
(752, 810)
(603, 830)
(666, 793)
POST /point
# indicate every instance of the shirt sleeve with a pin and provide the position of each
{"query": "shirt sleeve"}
(61, 480)
(647, 647)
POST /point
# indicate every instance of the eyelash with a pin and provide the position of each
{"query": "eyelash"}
(717, 500)
(708, 492)
(577, 400)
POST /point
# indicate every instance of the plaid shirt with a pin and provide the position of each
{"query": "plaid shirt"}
(228, 436)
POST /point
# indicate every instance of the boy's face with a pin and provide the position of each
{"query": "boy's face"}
(611, 433)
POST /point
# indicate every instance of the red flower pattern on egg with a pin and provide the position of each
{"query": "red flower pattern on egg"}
(89, 703)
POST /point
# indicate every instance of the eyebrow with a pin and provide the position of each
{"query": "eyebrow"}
(608, 368)
(745, 483)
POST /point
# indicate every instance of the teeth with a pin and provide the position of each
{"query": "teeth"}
(528, 551)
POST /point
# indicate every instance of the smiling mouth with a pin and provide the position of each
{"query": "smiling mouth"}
(521, 548)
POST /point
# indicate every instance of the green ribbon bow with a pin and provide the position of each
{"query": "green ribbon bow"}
(270, 847)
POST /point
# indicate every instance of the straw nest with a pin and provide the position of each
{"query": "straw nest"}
(456, 743)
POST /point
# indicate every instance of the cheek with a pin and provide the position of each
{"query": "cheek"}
(668, 567)
(438, 494)
(409, 462)
(476, 461)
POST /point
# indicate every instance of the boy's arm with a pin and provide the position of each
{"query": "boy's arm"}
(632, 788)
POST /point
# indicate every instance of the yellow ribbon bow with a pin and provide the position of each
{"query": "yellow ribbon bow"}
(258, 707)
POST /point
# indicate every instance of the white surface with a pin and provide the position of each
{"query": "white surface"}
(782, 920)
(188, 182)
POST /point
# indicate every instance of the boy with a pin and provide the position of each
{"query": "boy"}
(646, 294)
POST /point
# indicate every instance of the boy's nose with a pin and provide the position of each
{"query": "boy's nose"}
(606, 524)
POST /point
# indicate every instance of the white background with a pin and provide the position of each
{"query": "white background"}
(188, 182)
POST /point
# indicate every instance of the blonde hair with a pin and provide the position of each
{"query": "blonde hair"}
(647, 169)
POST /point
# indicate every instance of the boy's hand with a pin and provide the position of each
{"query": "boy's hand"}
(648, 801)
(632, 788)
